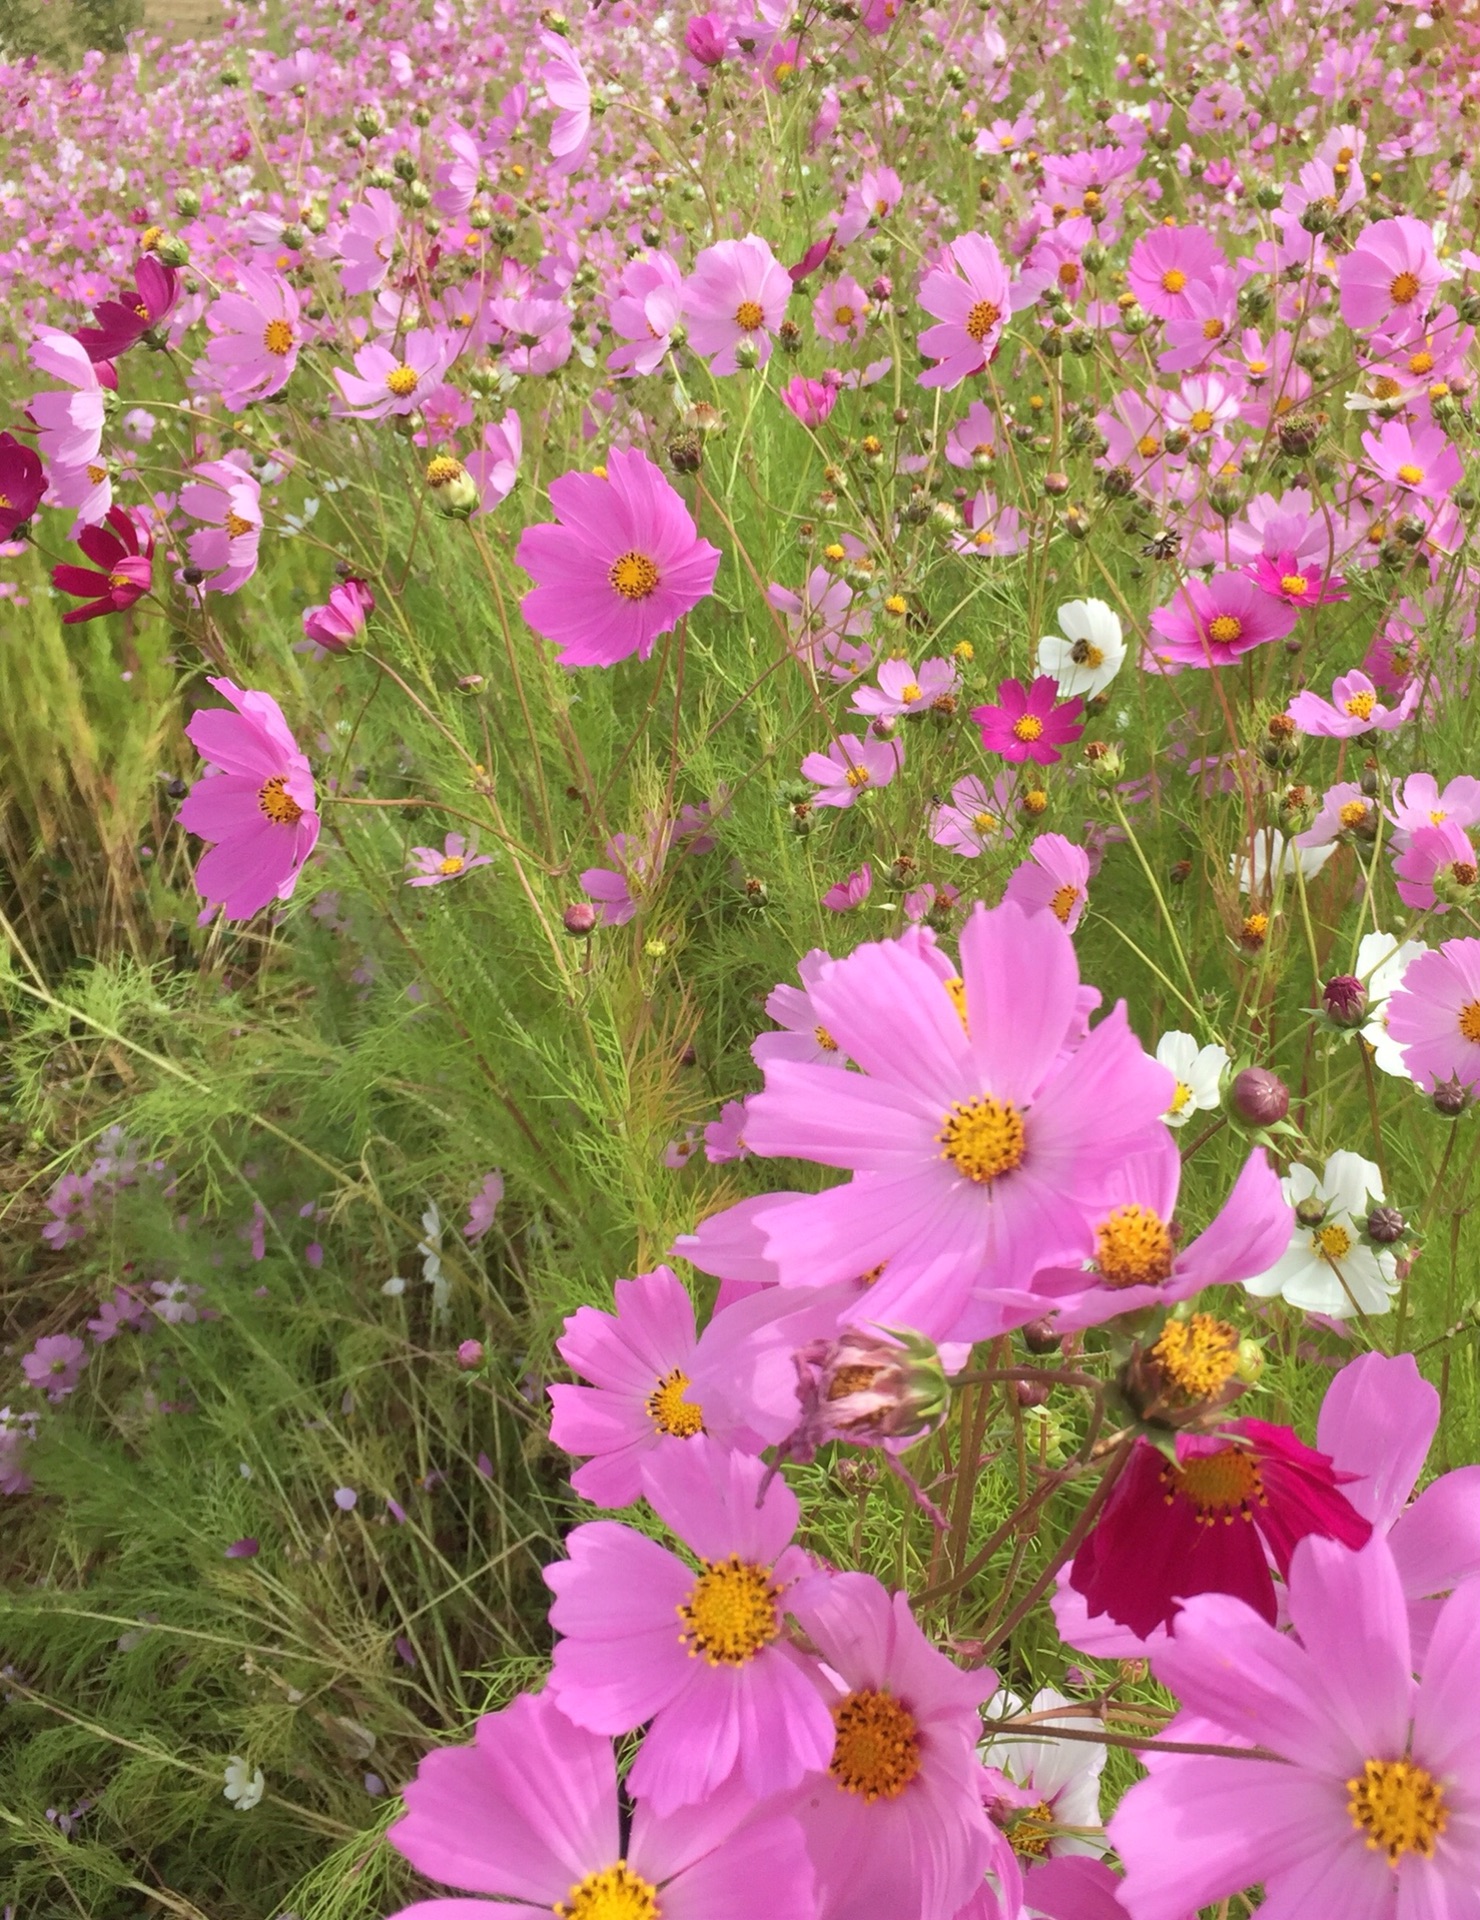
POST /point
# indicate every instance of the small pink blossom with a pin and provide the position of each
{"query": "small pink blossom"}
(850, 766)
(432, 867)
(1354, 707)
(1029, 722)
(847, 894)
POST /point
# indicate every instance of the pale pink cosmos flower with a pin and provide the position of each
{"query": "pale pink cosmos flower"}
(71, 424)
(1053, 879)
(1165, 262)
(1354, 708)
(537, 334)
(1390, 277)
(383, 383)
(971, 299)
(368, 244)
(840, 311)
(227, 497)
(1438, 865)
(1423, 463)
(494, 466)
(1434, 1015)
(824, 622)
(803, 1037)
(975, 818)
(434, 867)
(995, 532)
(851, 766)
(484, 1205)
(700, 1656)
(331, 627)
(458, 176)
(1419, 802)
(569, 92)
(54, 1365)
(901, 690)
(737, 293)
(645, 311)
(878, 192)
(1202, 403)
(972, 442)
(257, 332)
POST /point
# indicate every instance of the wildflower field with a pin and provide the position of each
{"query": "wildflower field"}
(740, 961)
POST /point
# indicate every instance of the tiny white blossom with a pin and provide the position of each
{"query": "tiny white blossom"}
(1199, 1075)
(244, 1786)
(1327, 1268)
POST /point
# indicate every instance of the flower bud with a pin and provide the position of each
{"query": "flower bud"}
(1042, 1336)
(580, 919)
(1386, 1226)
(1105, 761)
(369, 121)
(171, 251)
(1269, 196)
(187, 202)
(686, 451)
(1056, 485)
(746, 355)
(1451, 1098)
(470, 1355)
(1345, 1000)
(454, 491)
(1259, 1098)
(866, 1386)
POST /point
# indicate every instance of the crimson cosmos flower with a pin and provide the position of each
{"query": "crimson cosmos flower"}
(122, 323)
(22, 483)
(1026, 724)
(122, 553)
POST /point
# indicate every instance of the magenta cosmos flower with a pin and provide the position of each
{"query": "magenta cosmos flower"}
(257, 332)
(1390, 277)
(434, 866)
(894, 1823)
(971, 299)
(226, 497)
(1290, 579)
(1053, 879)
(851, 891)
(1210, 1522)
(736, 293)
(122, 323)
(569, 92)
(1422, 462)
(122, 553)
(1028, 723)
(1165, 262)
(382, 383)
(71, 423)
(256, 803)
(1213, 623)
(1364, 1796)
(698, 1653)
(1354, 707)
(331, 627)
(979, 1131)
(622, 564)
(851, 766)
(530, 1814)
(1434, 1015)
(22, 483)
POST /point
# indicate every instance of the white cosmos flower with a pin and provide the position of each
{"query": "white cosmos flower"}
(1326, 1267)
(1093, 653)
(1382, 960)
(244, 1785)
(1275, 856)
(1198, 1072)
(1065, 1775)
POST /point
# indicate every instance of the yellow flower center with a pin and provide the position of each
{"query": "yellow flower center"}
(844, 316)
(1293, 583)
(985, 822)
(981, 320)
(236, 526)
(277, 803)
(1438, 815)
(401, 381)
(749, 315)
(956, 988)
(857, 776)
(1421, 362)
(1031, 1832)
(1027, 727)
(453, 863)
(1035, 801)
(1257, 366)
(983, 1138)
(1148, 445)
(1198, 1355)
(277, 337)
(1180, 1097)
(1084, 653)
(1133, 1248)
(1062, 903)
(1402, 288)
(150, 238)
(876, 1752)
(1173, 280)
(1385, 387)
(119, 582)
(1212, 329)
(1410, 475)
(1224, 629)
(1201, 420)
(1225, 1485)
(1333, 1242)
(634, 576)
(94, 473)
(670, 1412)
(616, 1893)
(1399, 1806)
(730, 1613)
(442, 471)
(1469, 1021)
(1254, 928)
(1360, 705)
(1352, 814)
(897, 605)
(824, 1040)
(909, 692)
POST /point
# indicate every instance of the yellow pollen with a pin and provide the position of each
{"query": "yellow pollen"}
(1035, 800)
(1180, 1097)
(1084, 653)
(835, 553)
(1333, 1242)
(1257, 366)
(1469, 1021)
(277, 337)
(876, 1752)
(956, 988)
(1225, 1485)
(1224, 629)
(1212, 329)
(1133, 1248)
(670, 1412)
(749, 315)
(1252, 933)
(1294, 583)
(783, 71)
(1410, 475)
(96, 474)
(442, 471)
(844, 316)
(1198, 1356)
(1027, 727)
(1438, 815)
(983, 1138)
(1353, 814)
(6, 501)
(616, 1893)
(150, 238)
(1069, 274)
(1386, 387)
(119, 582)
(453, 863)
(1360, 705)
(1399, 1806)
(824, 1040)
(986, 538)
(909, 692)
(401, 381)
(730, 1613)
(1402, 288)
(1148, 445)
(897, 605)
(236, 526)
(277, 803)
(1062, 903)
(634, 576)
(857, 776)
(1421, 362)
(981, 320)
(1031, 1832)
(1201, 420)
(1173, 280)
(985, 822)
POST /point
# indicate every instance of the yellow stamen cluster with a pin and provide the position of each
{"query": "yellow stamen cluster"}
(1399, 1806)
(730, 1614)
(876, 1752)
(669, 1412)
(1198, 1356)
(983, 1138)
(1133, 1248)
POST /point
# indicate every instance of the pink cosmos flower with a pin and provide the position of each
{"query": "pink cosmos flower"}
(122, 323)
(996, 532)
(1365, 1802)
(1053, 879)
(332, 627)
(1213, 623)
(1283, 575)
(1437, 865)
(878, 192)
(622, 564)
(851, 764)
(1418, 802)
(537, 334)
(972, 442)
(895, 1824)
(569, 92)
(1423, 463)
(1165, 262)
(901, 690)
(257, 331)
(851, 892)
(1354, 707)
(978, 1145)
(495, 465)
(458, 176)
(434, 867)
(1029, 723)
(22, 483)
(54, 1365)
(975, 818)
(369, 240)
(700, 1655)
(1390, 277)
(381, 384)
(71, 424)
(803, 1037)
(484, 1205)
(1202, 403)
(646, 310)
(256, 803)
(737, 292)
(530, 1814)
(122, 553)
(824, 624)
(971, 299)
(840, 311)
(1434, 1015)
(1209, 1523)
(811, 401)
(1139, 1259)
(225, 495)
